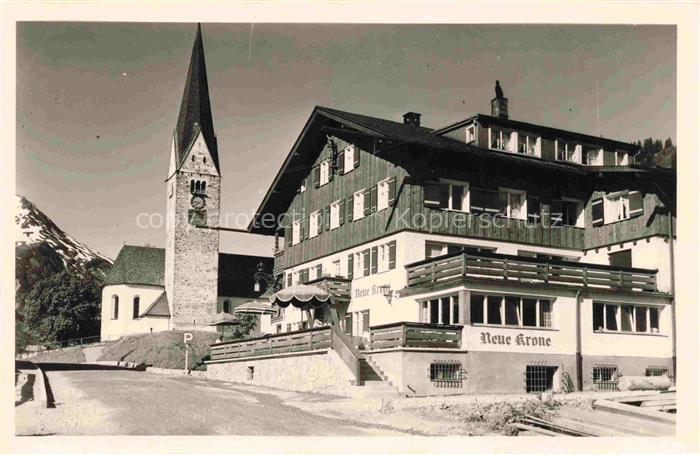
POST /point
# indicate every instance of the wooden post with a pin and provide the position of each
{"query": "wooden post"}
(311, 341)
(505, 269)
(585, 276)
(403, 334)
(432, 270)
(464, 264)
(546, 272)
(370, 338)
(620, 278)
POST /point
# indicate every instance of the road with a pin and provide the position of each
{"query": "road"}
(92, 399)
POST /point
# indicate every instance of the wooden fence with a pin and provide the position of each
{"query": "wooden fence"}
(528, 270)
(302, 340)
(416, 335)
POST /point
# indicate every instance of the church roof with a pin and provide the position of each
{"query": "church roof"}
(158, 308)
(195, 110)
(140, 265)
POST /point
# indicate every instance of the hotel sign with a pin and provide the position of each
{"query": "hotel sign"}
(518, 339)
(381, 289)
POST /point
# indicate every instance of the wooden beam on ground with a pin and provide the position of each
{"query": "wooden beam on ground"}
(634, 411)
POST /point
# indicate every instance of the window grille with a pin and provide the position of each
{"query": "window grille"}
(605, 377)
(656, 371)
(446, 373)
(539, 378)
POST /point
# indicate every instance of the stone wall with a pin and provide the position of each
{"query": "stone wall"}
(319, 372)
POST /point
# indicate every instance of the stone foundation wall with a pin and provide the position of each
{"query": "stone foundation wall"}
(319, 372)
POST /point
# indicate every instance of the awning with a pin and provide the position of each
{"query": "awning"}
(224, 319)
(255, 307)
(301, 296)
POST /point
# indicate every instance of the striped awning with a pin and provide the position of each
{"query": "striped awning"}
(255, 307)
(300, 296)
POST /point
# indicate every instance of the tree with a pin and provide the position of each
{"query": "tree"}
(246, 324)
(61, 307)
(653, 153)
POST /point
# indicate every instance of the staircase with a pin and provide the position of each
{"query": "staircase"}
(374, 383)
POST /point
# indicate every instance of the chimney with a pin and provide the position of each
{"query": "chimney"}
(499, 105)
(411, 118)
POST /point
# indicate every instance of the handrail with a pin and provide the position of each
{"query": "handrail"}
(415, 335)
(346, 350)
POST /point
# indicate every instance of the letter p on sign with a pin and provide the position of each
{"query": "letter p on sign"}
(188, 337)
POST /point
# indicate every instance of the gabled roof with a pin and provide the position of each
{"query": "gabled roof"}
(195, 110)
(158, 308)
(138, 265)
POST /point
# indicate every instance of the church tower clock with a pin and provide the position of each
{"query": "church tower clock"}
(193, 196)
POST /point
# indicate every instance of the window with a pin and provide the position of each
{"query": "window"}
(336, 214)
(302, 187)
(510, 310)
(567, 212)
(115, 307)
(348, 324)
(278, 328)
(434, 249)
(296, 231)
(227, 306)
(500, 139)
(386, 193)
(594, 156)
(358, 210)
(360, 320)
(314, 222)
(513, 204)
(470, 134)
(528, 145)
(289, 279)
(348, 159)
(539, 378)
(448, 195)
(336, 268)
(359, 264)
(446, 373)
(621, 258)
(483, 201)
(656, 371)
(621, 158)
(325, 172)
(568, 152)
(605, 377)
(612, 317)
(622, 205)
(135, 310)
(443, 310)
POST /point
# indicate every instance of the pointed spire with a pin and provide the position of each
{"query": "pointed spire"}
(195, 110)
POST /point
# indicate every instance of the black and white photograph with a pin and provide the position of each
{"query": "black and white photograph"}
(407, 230)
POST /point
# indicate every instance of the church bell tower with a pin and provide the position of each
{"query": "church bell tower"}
(193, 195)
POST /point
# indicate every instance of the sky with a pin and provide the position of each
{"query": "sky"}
(97, 102)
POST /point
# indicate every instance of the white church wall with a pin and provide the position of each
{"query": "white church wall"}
(125, 324)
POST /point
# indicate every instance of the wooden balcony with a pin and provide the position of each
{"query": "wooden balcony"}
(415, 335)
(337, 287)
(517, 269)
(283, 343)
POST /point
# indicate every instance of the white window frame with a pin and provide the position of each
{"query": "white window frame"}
(523, 209)
(425, 309)
(520, 314)
(383, 194)
(324, 177)
(314, 219)
(335, 215)
(470, 133)
(599, 157)
(348, 159)
(442, 246)
(513, 139)
(359, 265)
(625, 160)
(358, 205)
(336, 267)
(568, 155)
(618, 317)
(537, 146)
(465, 194)
(616, 207)
(383, 258)
(296, 231)
(579, 209)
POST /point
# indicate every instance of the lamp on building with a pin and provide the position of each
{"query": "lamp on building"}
(261, 276)
(388, 294)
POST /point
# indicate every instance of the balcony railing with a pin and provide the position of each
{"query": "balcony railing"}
(338, 287)
(518, 269)
(414, 335)
(301, 340)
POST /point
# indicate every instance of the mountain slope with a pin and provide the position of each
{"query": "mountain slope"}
(43, 249)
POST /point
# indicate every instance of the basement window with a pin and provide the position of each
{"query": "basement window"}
(251, 373)
(446, 373)
(539, 378)
(605, 377)
(656, 371)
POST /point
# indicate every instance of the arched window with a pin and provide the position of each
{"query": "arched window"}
(191, 186)
(115, 307)
(227, 306)
(137, 301)
(204, 186)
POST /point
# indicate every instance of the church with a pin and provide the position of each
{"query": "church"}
(190, 284)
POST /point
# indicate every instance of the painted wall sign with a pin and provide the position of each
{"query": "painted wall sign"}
(372, 290)
(519, 339)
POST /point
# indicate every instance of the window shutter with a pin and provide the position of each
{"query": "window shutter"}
(636, 203)
(597, 212)
(350, 266)
(356, 153)
(365, 262)
(317, 176)
(373, 199)
(366, 202)
(341, 212)
(392, 191)
(288, 235)
(349, 207)
(340, 162)
(303, 229)
(502, 203)
(319, 271)
(330, 170)
(374, 258)
(431, 195)
(327, 218)
(392, 254)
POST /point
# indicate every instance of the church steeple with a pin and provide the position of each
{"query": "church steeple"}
(195, 110)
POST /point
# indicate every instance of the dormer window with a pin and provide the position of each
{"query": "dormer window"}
(567, 151)
(594, 156)
(621, 158)
(528, 145)
(501, 139)
(470, 134)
